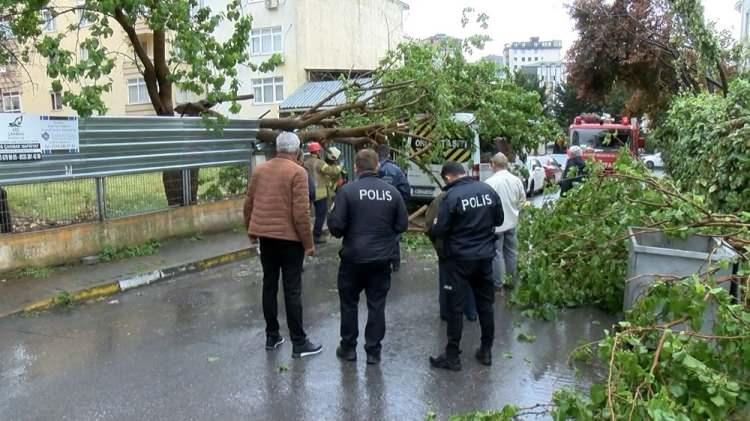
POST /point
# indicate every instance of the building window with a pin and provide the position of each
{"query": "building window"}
(11, 102)
(56, 98)
(265, 41)
(268, 90)
(81, 13)
(137, 92)
(5, 30)
(83, 54)
(48, 20)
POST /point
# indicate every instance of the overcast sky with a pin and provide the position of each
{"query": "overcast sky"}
(517, 20)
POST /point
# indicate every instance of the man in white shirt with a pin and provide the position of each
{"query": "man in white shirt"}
(513, 195)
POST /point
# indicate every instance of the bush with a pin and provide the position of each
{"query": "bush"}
(705, 140)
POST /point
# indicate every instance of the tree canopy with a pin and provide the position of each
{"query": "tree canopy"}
(654, 48)
(186, 53)
(423, 84)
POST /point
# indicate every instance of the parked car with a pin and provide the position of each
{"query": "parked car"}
(552, 169)
(537, 176)
(653, 161)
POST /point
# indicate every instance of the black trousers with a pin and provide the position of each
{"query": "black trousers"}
(470, 307)
(282, 257)
(375, 280)
(462, 277)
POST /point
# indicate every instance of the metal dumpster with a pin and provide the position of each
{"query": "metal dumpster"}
(654, 253)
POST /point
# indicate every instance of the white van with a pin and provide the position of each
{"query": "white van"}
(423, 187)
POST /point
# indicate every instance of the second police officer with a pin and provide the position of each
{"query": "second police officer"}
(466, 222)
(369, 214)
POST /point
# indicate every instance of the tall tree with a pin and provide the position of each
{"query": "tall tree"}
(654, 48)
(185, 54)
(530, 82)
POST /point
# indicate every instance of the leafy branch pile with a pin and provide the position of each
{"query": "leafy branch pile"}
(664, 364)
(573, 252)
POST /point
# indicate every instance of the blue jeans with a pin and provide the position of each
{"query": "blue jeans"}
(321, 211)
(505, 263)
(470, 306)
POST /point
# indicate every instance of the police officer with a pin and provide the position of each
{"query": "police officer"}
(466, 223)
(369, 214)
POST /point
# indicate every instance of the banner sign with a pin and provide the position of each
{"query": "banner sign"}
(26, 137)
(20, 137)
(59, 133)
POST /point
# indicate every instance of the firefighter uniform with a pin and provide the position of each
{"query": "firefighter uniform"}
(369, 214)
(466, 222)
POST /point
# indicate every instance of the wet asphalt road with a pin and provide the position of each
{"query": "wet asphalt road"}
(193, 349)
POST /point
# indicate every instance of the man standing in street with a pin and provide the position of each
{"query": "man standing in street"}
(391, 173)
(575, 169)
(324, 175)
(513, 196)
(277, 213)
(466, 223)
(369, 214)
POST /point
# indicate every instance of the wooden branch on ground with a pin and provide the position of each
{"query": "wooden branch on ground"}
(419, 212)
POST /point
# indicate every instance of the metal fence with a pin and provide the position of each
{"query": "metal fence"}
(126, 166)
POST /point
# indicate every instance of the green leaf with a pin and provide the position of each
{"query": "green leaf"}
(526, 337)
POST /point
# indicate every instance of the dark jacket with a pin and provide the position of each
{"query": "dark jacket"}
(393, 175)
(466, 220)
(369, 214)
(577, 162)
(568, 178)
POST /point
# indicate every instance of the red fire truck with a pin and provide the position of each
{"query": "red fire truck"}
(601, 138)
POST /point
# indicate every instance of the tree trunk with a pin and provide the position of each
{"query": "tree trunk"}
(172, 181)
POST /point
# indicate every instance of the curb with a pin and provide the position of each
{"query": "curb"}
(109, 288)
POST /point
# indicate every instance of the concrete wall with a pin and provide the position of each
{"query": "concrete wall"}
(68, 244)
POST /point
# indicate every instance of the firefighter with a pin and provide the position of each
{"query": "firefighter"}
(466, 222)
(369, 214)
(324, 175)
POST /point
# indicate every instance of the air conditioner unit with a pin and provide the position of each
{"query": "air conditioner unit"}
(272, 4)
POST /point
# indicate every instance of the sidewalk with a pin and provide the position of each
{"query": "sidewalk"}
(83, 282)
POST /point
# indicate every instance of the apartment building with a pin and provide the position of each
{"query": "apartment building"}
(318, 40)
(535, 57)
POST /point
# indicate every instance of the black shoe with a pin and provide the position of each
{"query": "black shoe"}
(472, 318)
(442, 361)
(395, 267)
(305, 350)
(346, 354)
(373, 359)
(484, 356)
(319, 240)
(273, 342)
